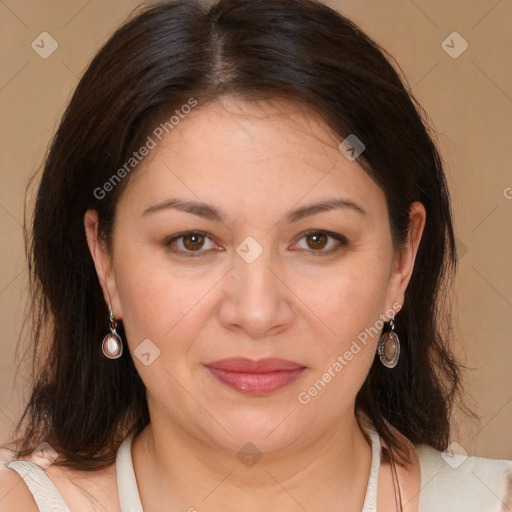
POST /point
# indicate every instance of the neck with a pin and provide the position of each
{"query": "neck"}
(175, 468)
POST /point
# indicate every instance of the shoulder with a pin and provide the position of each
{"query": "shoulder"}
(26, 486)
(465, 483)
(14, 494)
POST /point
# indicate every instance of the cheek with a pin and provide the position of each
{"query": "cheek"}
(155, 298)
(351, 298)
(350, 307)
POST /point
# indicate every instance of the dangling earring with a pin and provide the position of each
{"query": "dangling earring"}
(389, 347)
(112, 345)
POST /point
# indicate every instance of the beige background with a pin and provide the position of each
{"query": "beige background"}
(468, 99)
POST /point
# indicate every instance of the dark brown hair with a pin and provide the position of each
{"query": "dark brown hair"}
(82, 403)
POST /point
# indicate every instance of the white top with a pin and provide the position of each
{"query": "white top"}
(449, 483)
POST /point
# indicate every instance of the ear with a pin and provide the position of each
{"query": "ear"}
(102, 262)
(403, 263)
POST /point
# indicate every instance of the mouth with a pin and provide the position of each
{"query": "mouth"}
(252, 377)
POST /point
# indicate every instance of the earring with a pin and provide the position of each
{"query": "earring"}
(112, 345)
(389, 347)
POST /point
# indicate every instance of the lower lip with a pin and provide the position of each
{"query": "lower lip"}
(256, 383)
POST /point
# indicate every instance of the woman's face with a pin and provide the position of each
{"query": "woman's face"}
(244, 265)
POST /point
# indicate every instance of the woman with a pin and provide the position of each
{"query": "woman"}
(240, 243)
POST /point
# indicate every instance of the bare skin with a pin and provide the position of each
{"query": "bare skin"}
(254, 162)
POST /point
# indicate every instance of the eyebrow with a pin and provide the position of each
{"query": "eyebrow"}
(210, 212)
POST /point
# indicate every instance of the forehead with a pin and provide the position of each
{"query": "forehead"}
(272, 152)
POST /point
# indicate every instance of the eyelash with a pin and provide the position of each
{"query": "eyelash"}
(342, 241)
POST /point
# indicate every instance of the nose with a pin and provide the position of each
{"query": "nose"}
(256, 297)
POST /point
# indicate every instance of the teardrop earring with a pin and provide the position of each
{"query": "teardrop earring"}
(112, 345)
(389, 347)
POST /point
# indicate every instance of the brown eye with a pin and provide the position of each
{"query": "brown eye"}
(317, 241)
(193, 242)
(321, 243)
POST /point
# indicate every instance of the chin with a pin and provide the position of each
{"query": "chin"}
(267, 432)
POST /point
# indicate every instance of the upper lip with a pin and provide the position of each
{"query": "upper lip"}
(244, 365)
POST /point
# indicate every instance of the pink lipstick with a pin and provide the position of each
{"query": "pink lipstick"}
(252, 377)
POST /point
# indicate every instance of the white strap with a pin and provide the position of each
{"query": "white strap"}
(46, 495)
(129, 498)
(370, 500)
